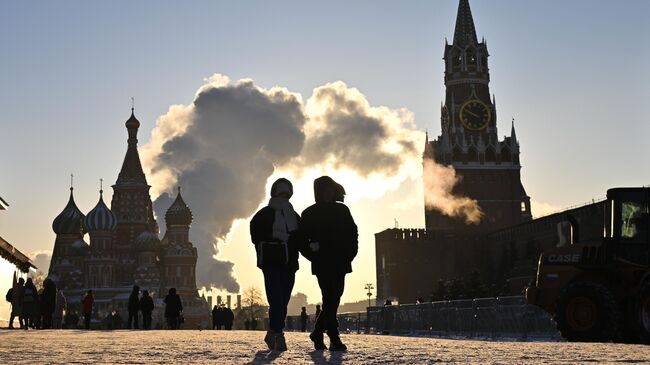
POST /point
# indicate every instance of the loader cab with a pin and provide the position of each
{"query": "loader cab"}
(629, 223)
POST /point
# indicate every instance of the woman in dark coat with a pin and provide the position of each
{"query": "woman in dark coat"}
(173, 309)
(332, 237)
(273, 232)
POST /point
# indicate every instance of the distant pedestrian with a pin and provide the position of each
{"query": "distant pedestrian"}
(173, 309)
(117, 319)
(87, 307)
(228, 318)
(17, 293)
(387, 314)
(59, 307)
(303, 319)
(133, 307)
(317, 313)
(273, 231)
(30, 298)
(247, 324)
(48, 302)
(146, 307)
(216, 318)
(333, 241)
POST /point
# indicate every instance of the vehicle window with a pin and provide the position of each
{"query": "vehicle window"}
(634, 216)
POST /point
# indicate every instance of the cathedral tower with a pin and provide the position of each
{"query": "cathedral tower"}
(69, 229)
(131, 204)
(489, 168)
(179, 255)
(101, 223)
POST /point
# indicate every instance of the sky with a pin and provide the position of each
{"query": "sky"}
(573, 74)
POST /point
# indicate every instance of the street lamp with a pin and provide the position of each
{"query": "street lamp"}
(369, 288)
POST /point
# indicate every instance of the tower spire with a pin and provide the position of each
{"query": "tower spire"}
(465, 32)
(513, 135)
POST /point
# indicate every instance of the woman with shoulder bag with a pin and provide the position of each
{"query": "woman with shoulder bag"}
(274, 233)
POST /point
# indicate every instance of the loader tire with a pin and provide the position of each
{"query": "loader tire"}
(643, 313)
(587, 311)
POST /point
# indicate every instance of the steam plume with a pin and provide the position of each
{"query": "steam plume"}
(438, 184)
(235, 135)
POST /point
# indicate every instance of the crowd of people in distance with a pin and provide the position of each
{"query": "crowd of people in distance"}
(36, 307)
(326, 235)
(47, 308)
(222, 316)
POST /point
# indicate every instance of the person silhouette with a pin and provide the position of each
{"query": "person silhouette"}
(146, 307)
(303, 319)
(17, 303)
(134, 307)
(87, 307)
(332, 237)
(274, 233)
(216, 317)
(173, 309)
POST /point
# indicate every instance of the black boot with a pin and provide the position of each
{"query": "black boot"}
(317, 339)
(336, 344)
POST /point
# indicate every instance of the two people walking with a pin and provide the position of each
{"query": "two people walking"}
(137, 304)
(326, 235)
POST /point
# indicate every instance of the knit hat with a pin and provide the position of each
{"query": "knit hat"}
(280, 186)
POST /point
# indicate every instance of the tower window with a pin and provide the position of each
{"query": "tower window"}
(523, 207)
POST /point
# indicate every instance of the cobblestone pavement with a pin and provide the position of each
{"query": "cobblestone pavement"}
(246, 347)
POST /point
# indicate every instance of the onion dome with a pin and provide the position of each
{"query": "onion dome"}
(70, 220)
(147, 242)
(132, 122)
(178, 213)
(100, 218)
(79, 248)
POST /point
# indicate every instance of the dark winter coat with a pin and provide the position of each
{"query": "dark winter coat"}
(49, 296)
(146, 304)
(332, 226)
(87, 304)
(228, 316)
(173, 306)
(134, 302)
(261, 229)
(29, 300)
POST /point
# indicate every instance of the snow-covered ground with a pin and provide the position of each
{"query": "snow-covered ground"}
(246, 347)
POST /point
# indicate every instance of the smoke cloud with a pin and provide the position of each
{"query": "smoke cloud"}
(439, 182)
(235, 135)
(41, 259)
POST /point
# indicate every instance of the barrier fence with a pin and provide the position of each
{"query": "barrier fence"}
(504, 317)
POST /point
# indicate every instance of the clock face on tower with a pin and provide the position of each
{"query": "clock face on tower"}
(475, 114)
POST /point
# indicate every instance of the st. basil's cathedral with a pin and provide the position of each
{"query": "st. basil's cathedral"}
(124, 247)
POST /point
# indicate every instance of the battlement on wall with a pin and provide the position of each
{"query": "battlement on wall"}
(417, 234)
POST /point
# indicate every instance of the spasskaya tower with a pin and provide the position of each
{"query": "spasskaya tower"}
(489, 168)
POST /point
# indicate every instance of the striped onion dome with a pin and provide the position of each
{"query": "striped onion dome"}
(100, 218)
(79, 248)
(70, 220)
(178, 214)
(147, 242)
